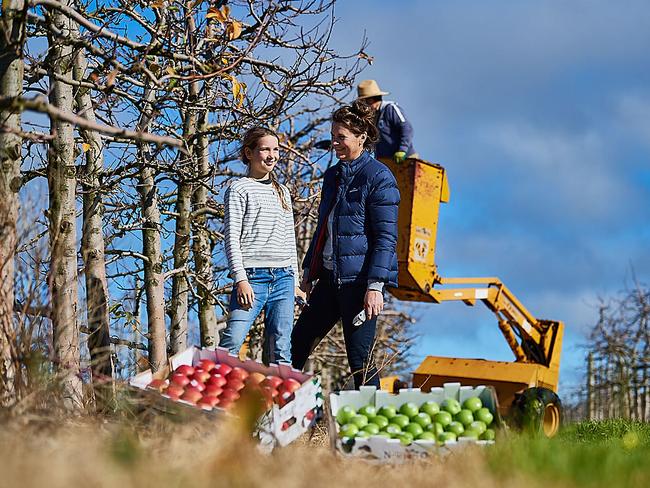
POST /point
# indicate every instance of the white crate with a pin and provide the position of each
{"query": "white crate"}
(293, 416)
(381, 448)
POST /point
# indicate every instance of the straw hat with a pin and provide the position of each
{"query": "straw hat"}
(369, 88)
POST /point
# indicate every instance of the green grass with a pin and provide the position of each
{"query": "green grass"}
(591, 454)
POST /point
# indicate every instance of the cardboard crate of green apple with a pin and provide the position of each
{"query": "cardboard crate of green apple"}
(213, 381)
(378, 424)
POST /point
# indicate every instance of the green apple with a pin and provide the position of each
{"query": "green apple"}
(422, 418)
(409, 409)
(372, 429)
(427, 436)
(359, 420)
(348, 430)
(472, 404)
(362, 433)
(451, 405)
(479, 426)
(344, 414)
(401, 420)
(379, 420)
(446, 437)
(455, 427)
(405, 438)
(443, 418)
(368, 410)
(484, 415)
(471, 433)
(465, 417)
(488, 435)
(414, 428)
(436, 428)
(393, 429)
(430, 408)
(388, 411)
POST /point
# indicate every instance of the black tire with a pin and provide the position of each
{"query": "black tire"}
(538, 411)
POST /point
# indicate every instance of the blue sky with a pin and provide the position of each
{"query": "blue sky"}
(540, 111)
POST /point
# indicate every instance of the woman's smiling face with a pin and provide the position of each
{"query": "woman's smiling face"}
(263, 158)
(347, 145)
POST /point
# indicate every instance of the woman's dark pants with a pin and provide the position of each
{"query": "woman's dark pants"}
(327, 304)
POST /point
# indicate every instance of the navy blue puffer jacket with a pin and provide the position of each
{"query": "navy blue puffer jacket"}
(364, 197)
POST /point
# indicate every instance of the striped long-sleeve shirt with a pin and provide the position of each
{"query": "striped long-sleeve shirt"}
(259, 233)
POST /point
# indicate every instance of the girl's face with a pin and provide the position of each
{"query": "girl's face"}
(263, 158)
(345, 143)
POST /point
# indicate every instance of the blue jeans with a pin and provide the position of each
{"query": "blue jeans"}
(274, 290)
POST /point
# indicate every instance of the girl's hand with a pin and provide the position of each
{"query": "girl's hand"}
(373, 304)
(245, 295)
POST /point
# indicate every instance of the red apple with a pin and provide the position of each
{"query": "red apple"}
(272, 381)
(201, 376)
(222, 369)
(310, 415)
(174, 391)
(235, 384)
(159, 385)
(238, 373)
(255, 378)
(270, 391)
(191, 395)
(197, 385)
(229, 395)
(180, 379)
(212, 390)
(208, 401)
(290, 385)
(217, 380)
(207, 364)
(186, 369)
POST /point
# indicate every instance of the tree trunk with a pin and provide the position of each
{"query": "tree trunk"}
(202, 247)
(92, 237)
(62, 215)
(180, 289)
(151, 246)
(11, 85)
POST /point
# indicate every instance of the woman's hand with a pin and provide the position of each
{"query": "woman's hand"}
(245, 295)
(301, 296)
(373, 304)
(305, 286)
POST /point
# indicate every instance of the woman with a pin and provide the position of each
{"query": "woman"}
(353, 251)
(261, 250)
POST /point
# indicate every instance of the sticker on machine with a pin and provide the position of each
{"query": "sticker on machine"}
(420, 249)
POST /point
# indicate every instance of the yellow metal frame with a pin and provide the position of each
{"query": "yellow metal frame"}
(536, 344)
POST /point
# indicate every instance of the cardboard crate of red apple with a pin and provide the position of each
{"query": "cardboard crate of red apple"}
(376, 424)
(214, 380)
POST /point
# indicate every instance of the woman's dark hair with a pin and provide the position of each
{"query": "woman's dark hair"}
(249, 141)
(358, 118)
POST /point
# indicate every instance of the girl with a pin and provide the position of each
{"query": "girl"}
(353, 251)
(261, 250)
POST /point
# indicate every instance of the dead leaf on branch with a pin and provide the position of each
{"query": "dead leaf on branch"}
(233, 29)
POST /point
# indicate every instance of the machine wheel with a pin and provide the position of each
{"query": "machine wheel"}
(538, 411)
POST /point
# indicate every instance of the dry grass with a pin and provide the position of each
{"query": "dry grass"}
(85, 452)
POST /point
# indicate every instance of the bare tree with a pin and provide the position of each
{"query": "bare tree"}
(12, 39)
(62, 182)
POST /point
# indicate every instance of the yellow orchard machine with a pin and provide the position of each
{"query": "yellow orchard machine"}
(527, 387)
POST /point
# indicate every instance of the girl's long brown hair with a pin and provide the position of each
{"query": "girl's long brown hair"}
(249, 141)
